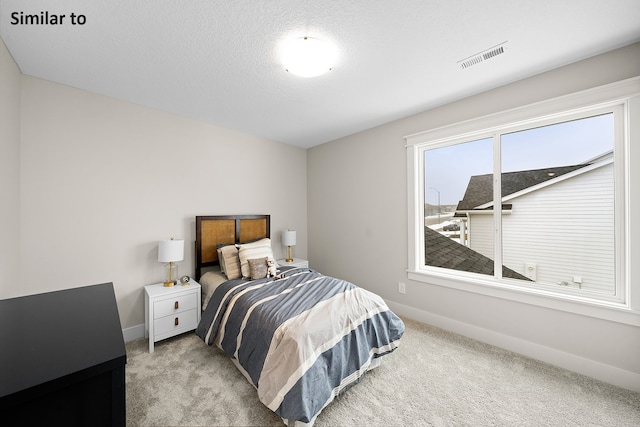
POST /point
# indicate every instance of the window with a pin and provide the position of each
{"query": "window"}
(530, 203)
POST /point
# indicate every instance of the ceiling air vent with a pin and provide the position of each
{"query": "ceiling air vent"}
(482, 56)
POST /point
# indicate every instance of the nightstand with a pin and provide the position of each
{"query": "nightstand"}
(297, 262)
(170, 311)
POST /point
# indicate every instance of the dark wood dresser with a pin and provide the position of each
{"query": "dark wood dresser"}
(62, 359)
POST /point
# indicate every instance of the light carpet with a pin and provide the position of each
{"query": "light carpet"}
(435, 378)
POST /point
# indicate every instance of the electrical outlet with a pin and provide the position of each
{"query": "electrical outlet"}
(401, 288)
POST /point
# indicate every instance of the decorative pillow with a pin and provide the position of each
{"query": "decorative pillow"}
(247, 251)
(258, 268)
(220, 259)
(229, 258)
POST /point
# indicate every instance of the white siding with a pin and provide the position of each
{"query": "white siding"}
(481, 234)
(566, 229)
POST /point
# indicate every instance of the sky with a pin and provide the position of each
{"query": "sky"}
(448, 169)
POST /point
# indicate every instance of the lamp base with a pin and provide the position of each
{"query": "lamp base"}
(289, 257)
(172, 271)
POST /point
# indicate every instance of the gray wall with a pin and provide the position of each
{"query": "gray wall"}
(358, 230)
(9, 172)
(102, 180)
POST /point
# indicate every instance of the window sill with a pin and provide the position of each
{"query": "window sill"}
(613, 312)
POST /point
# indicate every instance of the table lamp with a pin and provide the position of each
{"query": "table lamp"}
(171, 251)
(289, 239)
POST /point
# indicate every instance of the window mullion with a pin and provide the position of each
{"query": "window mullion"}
(497, 207)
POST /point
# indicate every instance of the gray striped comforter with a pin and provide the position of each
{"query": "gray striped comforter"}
(299, 339)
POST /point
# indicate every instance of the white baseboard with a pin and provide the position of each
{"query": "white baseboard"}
(133, 333)
(591, 368)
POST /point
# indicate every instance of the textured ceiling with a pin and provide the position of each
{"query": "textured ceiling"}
(217, 61)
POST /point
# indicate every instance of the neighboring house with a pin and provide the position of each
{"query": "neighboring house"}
(558, 223)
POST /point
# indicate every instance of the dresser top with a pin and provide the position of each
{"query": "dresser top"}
(48, 336)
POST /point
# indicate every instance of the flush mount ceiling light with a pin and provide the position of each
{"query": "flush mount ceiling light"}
(308, 56)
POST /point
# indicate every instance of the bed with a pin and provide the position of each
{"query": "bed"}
(298, 336)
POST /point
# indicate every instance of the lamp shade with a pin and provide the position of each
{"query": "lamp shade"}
(170, 250)
(289, 238)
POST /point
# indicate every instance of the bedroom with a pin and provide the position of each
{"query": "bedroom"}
(115, 177)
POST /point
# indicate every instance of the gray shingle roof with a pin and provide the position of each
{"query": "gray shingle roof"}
(480, 188)
(441, 251)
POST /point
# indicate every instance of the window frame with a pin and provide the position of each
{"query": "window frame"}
(622, 96)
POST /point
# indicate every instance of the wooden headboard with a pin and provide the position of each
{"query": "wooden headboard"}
(224, 230)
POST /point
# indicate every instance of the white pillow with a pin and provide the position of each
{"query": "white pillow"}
(254, 250)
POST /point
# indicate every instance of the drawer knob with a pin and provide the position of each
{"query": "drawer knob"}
(176, 305)
(175, 322)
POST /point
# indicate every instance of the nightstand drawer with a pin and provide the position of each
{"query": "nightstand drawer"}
(185, 319)
(174, 305)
